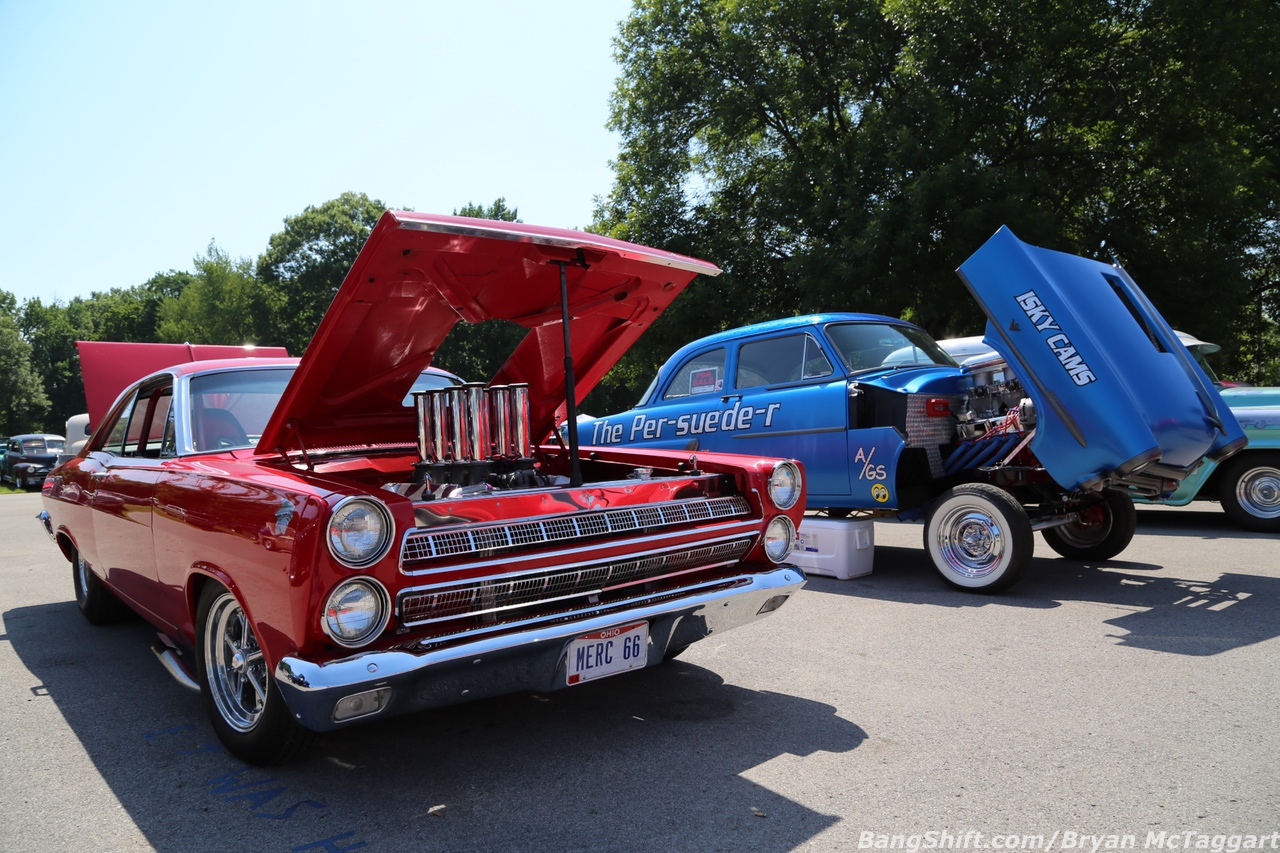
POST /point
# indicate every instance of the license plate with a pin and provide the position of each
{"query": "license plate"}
(608, 652)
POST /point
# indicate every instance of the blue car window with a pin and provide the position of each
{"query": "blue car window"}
(780, 360)
(869, 346)
(700, 374)
(816, 363)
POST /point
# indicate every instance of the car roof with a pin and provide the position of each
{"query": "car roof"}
(786, 323)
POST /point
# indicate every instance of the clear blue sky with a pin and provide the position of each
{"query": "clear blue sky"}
(134, 133)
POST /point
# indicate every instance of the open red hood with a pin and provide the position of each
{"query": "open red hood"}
(419, 274)
(109, 367)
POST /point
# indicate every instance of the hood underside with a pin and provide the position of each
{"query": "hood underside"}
(109, 367)
(420, 274)
(1117, 395)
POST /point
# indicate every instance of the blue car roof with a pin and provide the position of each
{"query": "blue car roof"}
(789, 323)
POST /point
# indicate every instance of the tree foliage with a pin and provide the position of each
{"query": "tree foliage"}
(848, 155)
(23, 402)
(220, 304)
(305, 264)
(475, 351)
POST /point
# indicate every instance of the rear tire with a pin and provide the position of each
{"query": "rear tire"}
(1103, 530)
(95, 601)
(979, 538)
(1250, 491)
(246, 708)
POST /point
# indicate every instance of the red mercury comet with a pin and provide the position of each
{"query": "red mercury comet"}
(316, 553)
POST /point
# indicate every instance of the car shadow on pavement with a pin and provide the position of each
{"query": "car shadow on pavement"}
(656, 758)
(1167, 614)
(1207, 524)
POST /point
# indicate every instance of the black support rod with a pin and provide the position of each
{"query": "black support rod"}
(570, 394)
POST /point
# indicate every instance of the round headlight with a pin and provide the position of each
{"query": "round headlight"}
(779, 536)
(356, 612)
(359, 532)
(785, 485)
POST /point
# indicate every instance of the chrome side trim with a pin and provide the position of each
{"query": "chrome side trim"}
(173, 665)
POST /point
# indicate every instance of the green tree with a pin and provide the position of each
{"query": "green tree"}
(218, 305)
(23, 402)
(51, 331)
(475, 351)
(849, 154)
(133, 313)
(305, 264)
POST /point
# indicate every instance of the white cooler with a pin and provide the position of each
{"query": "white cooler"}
(842, 548)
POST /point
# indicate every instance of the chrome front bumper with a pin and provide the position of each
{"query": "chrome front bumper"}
(47, 523)
(530, 660)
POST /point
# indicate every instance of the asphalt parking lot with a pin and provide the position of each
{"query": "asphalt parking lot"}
(1133, 697)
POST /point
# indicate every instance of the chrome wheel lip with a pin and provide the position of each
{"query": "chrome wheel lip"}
(234, 666)
(82, 579)
(971, 542)
(1258, 491)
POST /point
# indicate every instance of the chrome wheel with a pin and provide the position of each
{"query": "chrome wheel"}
(234, 665)
(1258, 491)
(979, 537)
(1249, 489)
(970, 541)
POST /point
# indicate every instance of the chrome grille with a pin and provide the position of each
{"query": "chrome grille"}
(494, 595)
(487, 538)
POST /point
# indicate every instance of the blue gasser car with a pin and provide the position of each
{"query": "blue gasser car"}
(1092, 401)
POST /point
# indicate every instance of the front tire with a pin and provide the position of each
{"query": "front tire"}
(1250, 491)
(1101, 532)
(240, 695)
(979, 538)
(95, 601)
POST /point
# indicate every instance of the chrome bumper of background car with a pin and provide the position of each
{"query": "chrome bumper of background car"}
(532, 660)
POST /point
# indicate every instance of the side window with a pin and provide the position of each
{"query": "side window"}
(700, 374)
(816, 363)
(169, 441)
(114, 442)
(778, 360)
(139, 429)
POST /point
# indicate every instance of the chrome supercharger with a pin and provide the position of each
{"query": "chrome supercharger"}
(471, 435)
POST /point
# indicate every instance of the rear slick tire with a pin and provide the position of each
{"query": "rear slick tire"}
(246, 708)
(1101, 532)
(979, 538)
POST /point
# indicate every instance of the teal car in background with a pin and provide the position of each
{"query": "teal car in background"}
(1248, 484)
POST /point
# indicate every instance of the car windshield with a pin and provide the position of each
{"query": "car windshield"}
(429, 380)
(41, 445)
(877, 346)
(230, 409)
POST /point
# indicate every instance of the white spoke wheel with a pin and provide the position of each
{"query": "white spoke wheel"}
(979, 538)
(1250, 491)
(246, 709)
(1099, 532)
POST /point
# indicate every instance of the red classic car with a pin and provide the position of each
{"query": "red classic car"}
(315, 553)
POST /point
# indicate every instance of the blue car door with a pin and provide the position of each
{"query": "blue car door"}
(787, 399)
